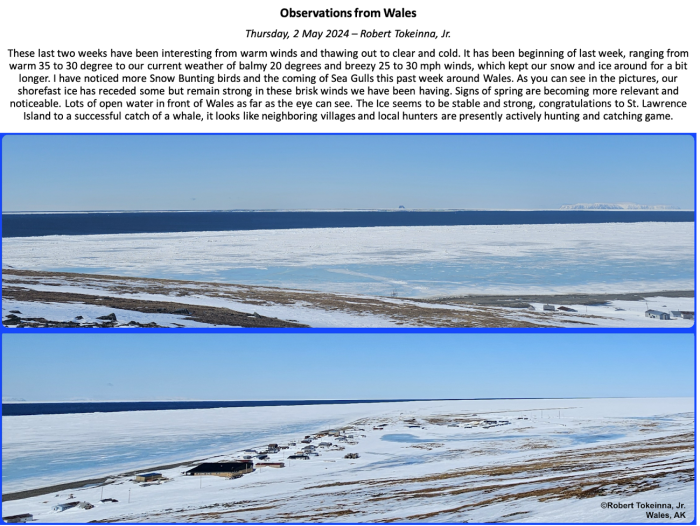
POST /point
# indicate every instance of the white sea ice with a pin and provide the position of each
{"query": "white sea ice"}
(378, 257)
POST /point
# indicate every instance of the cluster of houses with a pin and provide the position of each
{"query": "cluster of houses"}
(28, 517)
(649, 313)
(674, 314)
(413, 423)
(252, 459)
(260, 458)
(485, 424)
(312, 450)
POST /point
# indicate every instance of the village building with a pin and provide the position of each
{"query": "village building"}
(65, 506)
(148, 477)
(269, 465)
(222, 469)
(683, 314)
(23, 517)
(657, 315)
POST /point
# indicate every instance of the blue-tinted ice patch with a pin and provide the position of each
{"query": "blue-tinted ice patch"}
(435, 279)
(405, 438)
(592, 438)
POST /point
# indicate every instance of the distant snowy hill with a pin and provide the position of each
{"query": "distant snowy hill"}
(616, 206)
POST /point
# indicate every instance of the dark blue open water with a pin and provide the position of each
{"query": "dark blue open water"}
(65, 408)
(29, 225)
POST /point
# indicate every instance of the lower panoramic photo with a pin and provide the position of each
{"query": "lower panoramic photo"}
(352, 428)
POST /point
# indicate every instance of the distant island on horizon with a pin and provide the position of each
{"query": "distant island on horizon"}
(617, 206)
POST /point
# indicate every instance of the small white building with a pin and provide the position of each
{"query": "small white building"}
(657, 314)
(682, 314)
(549, 308)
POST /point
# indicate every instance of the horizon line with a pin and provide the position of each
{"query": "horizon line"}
(330, 400)
(127, 211)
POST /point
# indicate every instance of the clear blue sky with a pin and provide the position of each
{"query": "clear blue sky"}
(56, 367)
(207, 172)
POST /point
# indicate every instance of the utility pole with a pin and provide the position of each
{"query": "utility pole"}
(129, 496)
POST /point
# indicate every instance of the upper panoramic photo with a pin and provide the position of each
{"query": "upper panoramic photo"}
(396, 231)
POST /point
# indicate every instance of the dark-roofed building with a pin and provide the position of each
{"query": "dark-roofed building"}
(223, 469)
(24, 517)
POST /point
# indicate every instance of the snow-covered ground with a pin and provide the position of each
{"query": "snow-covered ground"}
(65, 312)
(322, 310)
(449, 461)
(411, 261)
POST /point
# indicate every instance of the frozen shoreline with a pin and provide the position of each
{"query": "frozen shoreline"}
(61, 297)
(444, 457)
(415, 262)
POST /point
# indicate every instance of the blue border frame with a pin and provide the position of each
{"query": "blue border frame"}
(690, 330)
